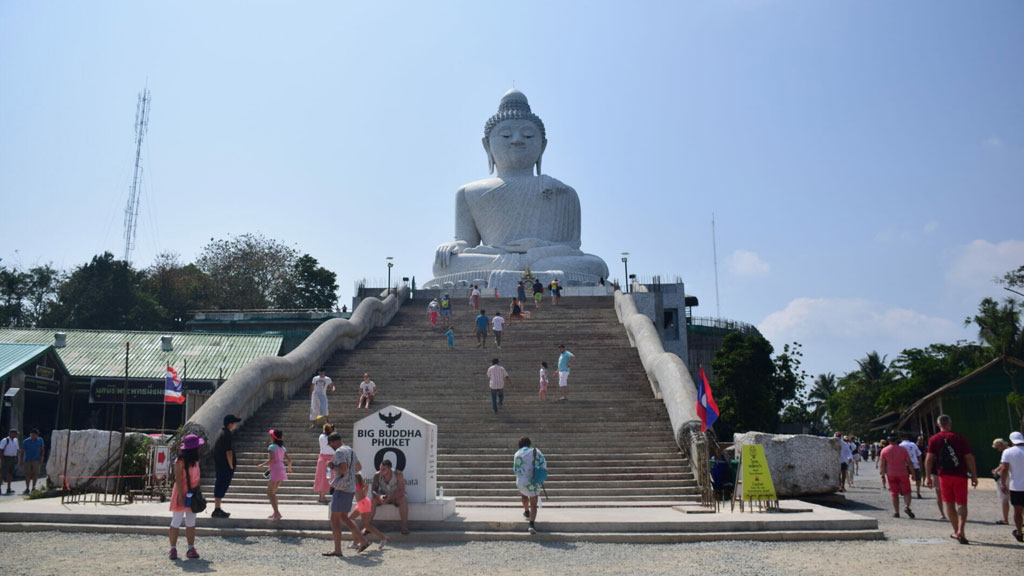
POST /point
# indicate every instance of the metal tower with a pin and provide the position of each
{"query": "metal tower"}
(131, 211)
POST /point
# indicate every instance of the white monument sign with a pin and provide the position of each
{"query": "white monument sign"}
(410, 442)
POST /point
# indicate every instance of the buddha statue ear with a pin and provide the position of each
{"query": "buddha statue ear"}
(490, 157)
(543, 146)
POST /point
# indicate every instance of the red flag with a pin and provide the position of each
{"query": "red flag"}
(707, 409)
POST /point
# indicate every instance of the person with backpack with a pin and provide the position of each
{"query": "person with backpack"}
(951, 454)
(531, 470)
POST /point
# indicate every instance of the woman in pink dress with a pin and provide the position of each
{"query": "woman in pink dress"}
(276, 461)
(321, 485)
(186, 475)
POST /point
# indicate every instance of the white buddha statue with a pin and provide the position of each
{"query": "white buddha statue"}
(516, 220)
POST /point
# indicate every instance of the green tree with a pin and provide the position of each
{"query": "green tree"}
(245, 271)
(853, 406)
(13, 288)
(178, 288)
(751, 388)
(999, 326)
(25, 297)
(817, 399)
(921, 371)
(105, 294)
(308, 286)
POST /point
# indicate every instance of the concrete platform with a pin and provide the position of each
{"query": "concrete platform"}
(565, 522)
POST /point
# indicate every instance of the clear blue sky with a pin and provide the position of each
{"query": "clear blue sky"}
(864, 160)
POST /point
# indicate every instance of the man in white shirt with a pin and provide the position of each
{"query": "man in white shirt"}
(915, 456)
(497, 325)
(9, 449)
(845, 455)
(1011, 474)
(497, 377)
(367, 392)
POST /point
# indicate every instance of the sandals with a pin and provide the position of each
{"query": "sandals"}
(362, 547)
(1001, 523)
(1018, 536)
(331, 553)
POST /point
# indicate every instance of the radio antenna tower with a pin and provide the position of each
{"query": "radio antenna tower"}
(131, 211)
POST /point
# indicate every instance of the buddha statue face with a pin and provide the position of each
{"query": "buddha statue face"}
(515, 146)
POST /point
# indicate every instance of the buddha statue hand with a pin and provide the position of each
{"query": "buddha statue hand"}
(524, 245)
(444, 252)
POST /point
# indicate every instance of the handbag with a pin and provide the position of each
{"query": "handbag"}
(198, 500)
(539, 474)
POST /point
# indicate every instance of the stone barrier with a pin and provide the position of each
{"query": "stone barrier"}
(801, 465)
(87, 452)
(271, 377)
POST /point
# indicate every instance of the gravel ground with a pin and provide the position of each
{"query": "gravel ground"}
(909, 543)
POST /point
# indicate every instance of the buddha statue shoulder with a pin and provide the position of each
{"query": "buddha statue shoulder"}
(517, 219)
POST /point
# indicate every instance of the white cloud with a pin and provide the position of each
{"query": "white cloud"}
(971, 276)
(930, 227)
(835, 332)
(747, 263)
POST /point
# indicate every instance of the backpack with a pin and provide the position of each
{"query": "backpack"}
(948, 458)
(540, 475)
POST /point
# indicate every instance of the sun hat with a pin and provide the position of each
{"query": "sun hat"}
(1017, 438)
(191, 442)
(275, 434)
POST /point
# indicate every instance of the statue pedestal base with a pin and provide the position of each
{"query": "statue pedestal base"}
(506, 281)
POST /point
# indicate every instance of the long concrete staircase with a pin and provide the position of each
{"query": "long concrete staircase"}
(610, 442)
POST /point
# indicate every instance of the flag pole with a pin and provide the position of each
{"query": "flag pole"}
(163, 415)
(184, 405)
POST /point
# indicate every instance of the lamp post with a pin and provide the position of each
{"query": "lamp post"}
(390, 265)
(625, 264)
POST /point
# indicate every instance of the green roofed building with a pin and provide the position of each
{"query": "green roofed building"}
(30, 374)
(105, 368)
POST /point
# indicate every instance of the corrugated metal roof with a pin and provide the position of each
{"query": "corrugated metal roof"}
(14, 356)
(101, 353)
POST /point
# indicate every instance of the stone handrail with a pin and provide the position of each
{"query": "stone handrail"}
(670, 380)
(269, 377)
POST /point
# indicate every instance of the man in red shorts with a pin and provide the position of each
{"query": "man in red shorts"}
(895, 464)
(951, 454)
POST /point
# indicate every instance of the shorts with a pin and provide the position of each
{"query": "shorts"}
(342, 501)
(445, 311)
(954, 489)
(917, 474)
(537, 296)
(187, 515)
(563, 378)
(220, 486)
(8, 467)
(543, 386)
(364, 506)
(1017, 497)
(32, 468)
(843, 466)
(899, 485)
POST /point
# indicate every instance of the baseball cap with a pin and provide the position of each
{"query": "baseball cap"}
(231, 419)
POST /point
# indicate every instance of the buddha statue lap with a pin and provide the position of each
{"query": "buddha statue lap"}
(516, 220)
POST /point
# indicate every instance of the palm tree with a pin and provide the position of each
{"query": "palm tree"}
(817, 399)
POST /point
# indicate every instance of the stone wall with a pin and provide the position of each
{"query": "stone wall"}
(801, 465)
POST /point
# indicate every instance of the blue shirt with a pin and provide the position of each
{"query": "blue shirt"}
(451, 337)
(481, 322)
(33, 449)
(563, 361)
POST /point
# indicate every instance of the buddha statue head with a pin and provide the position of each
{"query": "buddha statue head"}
(514, 137)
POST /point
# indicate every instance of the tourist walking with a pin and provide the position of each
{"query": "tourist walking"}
(538, 294)
(915, 456)
(530, 468)
(224, 461)
(1000, 445)
(446, 309)
(389, 488)
(565, 359)
(556, 291)
(433, 309)
(474, 298)
(277, 470)
(344, 465)
(367, 392)
(951, 453)
(922, 445)
(450, 334)
(186, 476)
(1011, 479)
(9, 450)
(497, 327)
(497, 377)
(318, 396)
(321, 484)
(515, 310)
(844, 462)
(33, 452)
(521, 293)
(896, 465)
(481, 329)
(543, 381)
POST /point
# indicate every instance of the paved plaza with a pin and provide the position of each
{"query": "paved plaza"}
(909, 546)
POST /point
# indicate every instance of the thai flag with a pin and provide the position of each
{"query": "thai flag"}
(172, 387)
(706, 407)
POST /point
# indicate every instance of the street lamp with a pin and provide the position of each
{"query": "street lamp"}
(625, 264)
(390, 265)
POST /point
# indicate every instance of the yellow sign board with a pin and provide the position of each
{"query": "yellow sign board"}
(757, 478)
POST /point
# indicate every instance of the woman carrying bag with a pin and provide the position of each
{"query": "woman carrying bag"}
(531, 470)
(186, 479)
